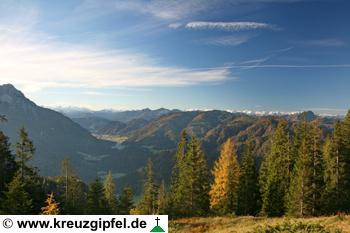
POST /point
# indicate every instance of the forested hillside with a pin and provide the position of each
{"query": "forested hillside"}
(131, 143)
(305, 172)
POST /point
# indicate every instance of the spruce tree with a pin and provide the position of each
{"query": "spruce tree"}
(74, 201)
(248, 189)
(67, 172)
(191, 192)
(162, 199)
(299, 196)
(126, 201)
(224, 190)
(306, 186)
(27, 173)
(7, 163)
(24, 154)
(148, 202)
(330, 177)
(329, 171)
(190, 186)
(337, 170)
(276, 171)
(96, 202)
(51, 207)
(194, 181)
(109, 193)
(175, 195)
(346, 160)
(317, 178)
(72, 196)
(17, 200)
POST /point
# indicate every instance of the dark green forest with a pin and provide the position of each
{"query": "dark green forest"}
(304, 173)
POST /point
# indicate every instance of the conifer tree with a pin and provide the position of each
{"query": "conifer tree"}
(263, 177)
(96, 202)
(126, 201)
(194, 181)
(17, 200)
(330, 177)
(7, 163)
(109, 193)
(337, 170)
(162, 200)
(72, 190)
(148, 202)
(66, 172)
(317, 178)
(248, 189)
(190, 197)
(224, 190)
(346, 159)
(175, 194)
(27, 173)
(306, 186)
(51, 207)
(24, 153)
(275, 173)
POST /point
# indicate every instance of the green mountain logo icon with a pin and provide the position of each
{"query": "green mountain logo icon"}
(157, 228)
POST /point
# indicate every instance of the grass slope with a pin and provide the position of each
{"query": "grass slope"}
(335, 224)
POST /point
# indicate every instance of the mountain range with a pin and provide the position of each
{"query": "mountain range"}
(122, 141)
(112, 115)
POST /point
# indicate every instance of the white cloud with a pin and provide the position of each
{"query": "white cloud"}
(99, 93)
(176, 9)
(33, 64)
(229, 26)
(175, 25)
(226, 40)
(168, 10)
(179, 9)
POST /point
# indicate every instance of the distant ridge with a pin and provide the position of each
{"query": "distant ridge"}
(115, 115)
(55, 136)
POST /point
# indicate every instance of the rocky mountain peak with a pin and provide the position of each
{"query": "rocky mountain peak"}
(10, 95)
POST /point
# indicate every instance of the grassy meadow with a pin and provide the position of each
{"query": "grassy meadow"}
(334, 224)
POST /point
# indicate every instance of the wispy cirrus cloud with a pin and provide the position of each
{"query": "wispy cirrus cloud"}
(311, 66)
(166, 10)
(172, 9)
(179, 9)
(329, 42)
(232, 40)
(229, 26)
(33, 63)
(99, 93)
(175, 25)
(258, 62)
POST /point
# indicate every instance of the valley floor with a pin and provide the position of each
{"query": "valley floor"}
(332, 224)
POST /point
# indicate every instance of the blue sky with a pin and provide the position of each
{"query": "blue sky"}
(261, 55)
